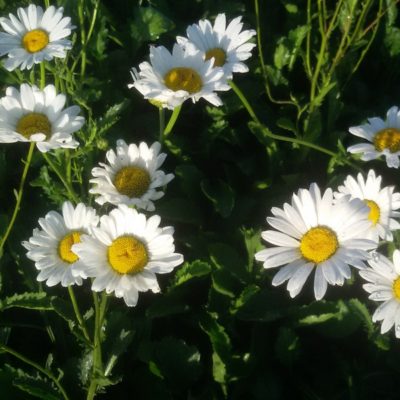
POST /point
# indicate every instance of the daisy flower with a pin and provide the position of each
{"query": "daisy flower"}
(315, 233)
(34, 36)
(226, 45)
(384, 138)
(33, 115)
(170, 79)
(384, 286)
(125, 253)
(381, 203)
(51, 247)
(132, 176)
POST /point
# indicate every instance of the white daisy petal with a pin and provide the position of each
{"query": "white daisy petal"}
(310, 234)
(34, 36)
(132, 176)
(27, 117)
(51, 248)
(384, 287)
(383, 137)
(128, 262)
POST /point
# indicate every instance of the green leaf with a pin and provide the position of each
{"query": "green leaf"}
(149, 24)
(225, 257)
(221, 344)
(169, 304)
(287, 346)
(178, 363)
(37, 387)
(111, 117)
(180, 210)
(264, 305)
(121, 343)
(220, 194)
(29, 300)
(189, 271)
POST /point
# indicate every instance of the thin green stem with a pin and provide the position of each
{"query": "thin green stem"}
(42, 75)
(97, 356)
(37, 367)
(268, 133)
(161, 118)
(172, 121)
(67, 185)
(19, 196)
(78, 313)
(262, 63)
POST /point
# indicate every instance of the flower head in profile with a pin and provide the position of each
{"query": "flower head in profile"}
(314, 233)
(227, 45)
(51, 247)
(34, 36)
(382, 203)
(384, 286)
(170, 79)
(383, 137)
(131, 176)
(126, 252)
(34, 115)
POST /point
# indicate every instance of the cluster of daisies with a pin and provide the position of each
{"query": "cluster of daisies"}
(332, 231)
(200, 64)
(123, 250)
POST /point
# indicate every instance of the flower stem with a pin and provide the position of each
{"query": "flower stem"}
(172, 121)
(268, 133)
(37, 367)
(97, 356)
(161, 118)
(78, 313)
(42, 75)
(19, 196)
(68, 186)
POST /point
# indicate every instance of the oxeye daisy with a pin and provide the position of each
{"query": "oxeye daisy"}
(316, 233)
(132, 176)
(384, 138)
(34, 36)
(33, 115)
(226, 45)
(382, 203)
(51, 247)
(125, 253)
(384, 286)
(170, 79)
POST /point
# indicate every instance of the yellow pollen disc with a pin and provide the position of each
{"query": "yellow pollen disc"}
(219, 56)
(374, 211)
(33, 123)
(132, 181)
(127, 255)
(64, 247)
(396, 288)
(318, 244)
(388, 138)
(182, 78)
(36, 40)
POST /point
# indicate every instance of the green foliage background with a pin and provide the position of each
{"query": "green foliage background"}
(219, 329)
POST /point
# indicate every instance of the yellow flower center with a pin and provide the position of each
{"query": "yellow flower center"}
(182, 78)
(33, 123)
(219, 56)
(318, 244)
(132, 181)
(388, 138)
(396, 288)
(36, 40)
(374, 211)
(64, 247)
(127, 255)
